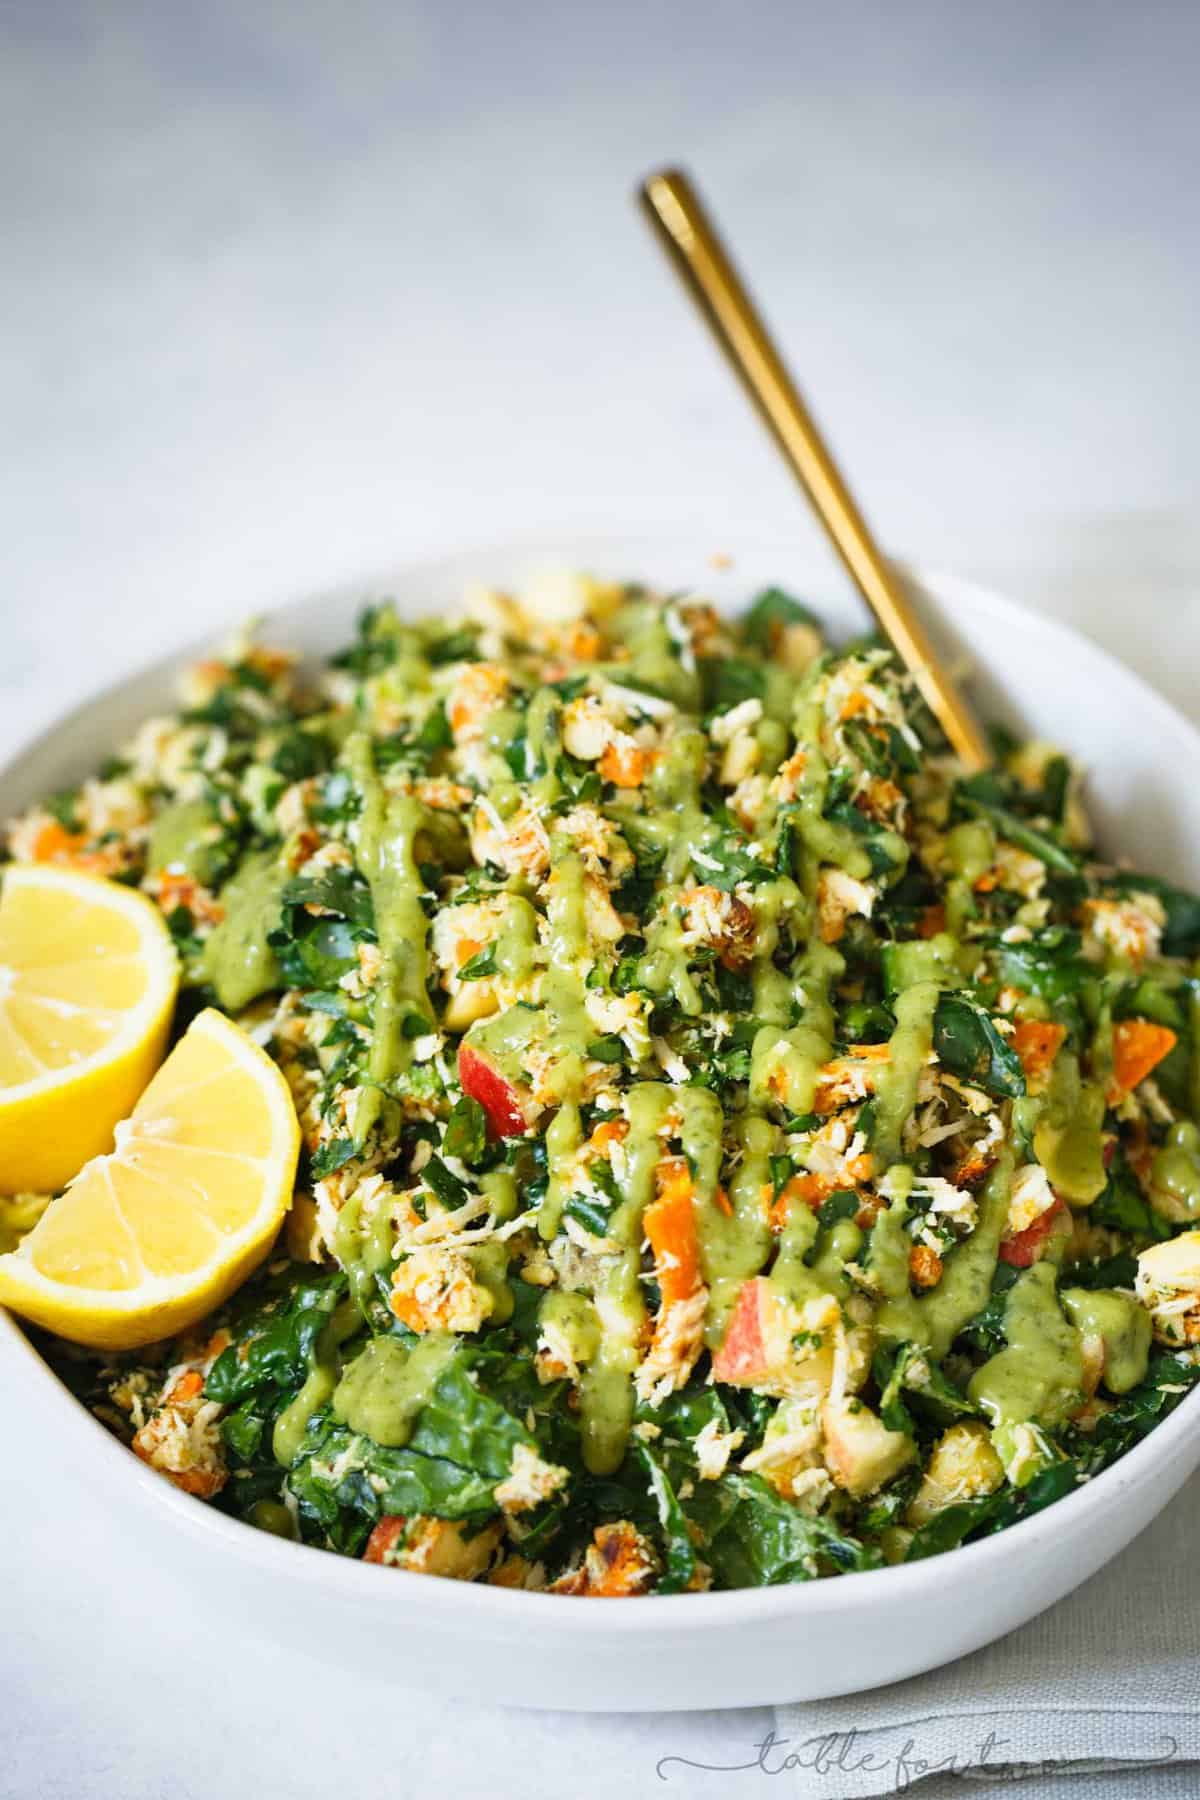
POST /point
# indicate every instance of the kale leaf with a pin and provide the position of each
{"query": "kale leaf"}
(969, 1045)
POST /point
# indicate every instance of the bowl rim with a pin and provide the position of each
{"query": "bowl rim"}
(475, 1604)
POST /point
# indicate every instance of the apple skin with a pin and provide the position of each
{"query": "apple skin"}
(757, 1339)
(1024, 1248)
(510, 1107)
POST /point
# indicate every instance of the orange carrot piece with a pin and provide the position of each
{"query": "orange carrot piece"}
(1138, 1048)
(1037, 1043)
(808, 1190)
(189, 1386)
(625, 765)
(670, 1224)
(54, 843)
(855, 704)
(608, 1131)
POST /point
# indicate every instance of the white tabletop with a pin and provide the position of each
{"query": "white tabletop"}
(296, 292)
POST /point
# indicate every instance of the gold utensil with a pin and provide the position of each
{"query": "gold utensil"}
(687, 232)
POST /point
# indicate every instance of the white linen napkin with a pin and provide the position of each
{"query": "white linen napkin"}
(1098, 1697)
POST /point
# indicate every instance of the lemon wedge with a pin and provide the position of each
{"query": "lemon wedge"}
(154, 1235)
(88, 976)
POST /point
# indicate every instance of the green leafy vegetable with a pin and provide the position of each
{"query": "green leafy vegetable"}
(970, 1046)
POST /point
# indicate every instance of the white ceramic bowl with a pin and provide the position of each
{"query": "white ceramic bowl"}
(707, 1650)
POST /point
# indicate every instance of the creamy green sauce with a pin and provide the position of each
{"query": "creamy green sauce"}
(573, 1318)
(1067, 1135)
(363, 1247)
(1175, 1171)
(1193, 1013)
(793, 1058)
(238, 960)
(737, 1247)
(516, 939)
(184, 838)
(970, 851)
(560, 1025)
(499, 1188)
(569, 960)
(564, 1136)
(896, 1085)
(1124, 1326)
(386, 853)
(606, 1394)
(382, 1391)
(798, 1277)
(935, 1319)
(654, 661)
(778, 904)
(664, 966)
(291, 1425)
(1038, 1377)
(680, 820)
(489, 1265)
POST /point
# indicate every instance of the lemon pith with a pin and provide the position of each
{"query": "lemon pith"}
(154, 1235)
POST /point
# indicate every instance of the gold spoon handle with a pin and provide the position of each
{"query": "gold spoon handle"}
(688, 234)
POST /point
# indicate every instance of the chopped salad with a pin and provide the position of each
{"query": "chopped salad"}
(738, 1148)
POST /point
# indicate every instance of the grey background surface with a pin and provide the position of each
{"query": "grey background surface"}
(293, 292)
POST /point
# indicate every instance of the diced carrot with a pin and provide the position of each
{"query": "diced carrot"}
(721, 1201)
(54, 843)
(621, 1561)
(407, 1309)
(855, 704)
(625, 765)
(466, 949)
(585, 642)
(1037, 1043)
(839, 1079)
(618, 1562)
(1138, 1047)
(189, 1385)
(670, 1225)
(608, 1131)
(176, 889)
(384, 1538)
(807, 1190)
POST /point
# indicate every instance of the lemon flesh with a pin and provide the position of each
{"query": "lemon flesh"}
(88, 977)
(154, 1235)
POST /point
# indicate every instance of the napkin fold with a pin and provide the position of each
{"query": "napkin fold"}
(1098, 1697)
